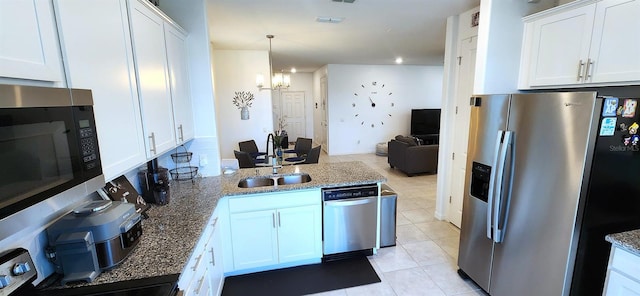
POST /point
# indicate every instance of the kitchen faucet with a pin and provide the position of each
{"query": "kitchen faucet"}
(275, 166)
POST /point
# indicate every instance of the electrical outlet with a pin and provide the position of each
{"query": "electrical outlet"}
(203, 160)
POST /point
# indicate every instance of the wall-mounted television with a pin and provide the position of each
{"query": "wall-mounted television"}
(425, 121)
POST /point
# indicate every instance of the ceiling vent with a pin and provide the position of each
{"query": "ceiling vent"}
(329, 19)
(345, 1)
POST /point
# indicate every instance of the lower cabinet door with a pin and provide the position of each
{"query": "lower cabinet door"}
(619, 285)
(299, 233)
(254, 239)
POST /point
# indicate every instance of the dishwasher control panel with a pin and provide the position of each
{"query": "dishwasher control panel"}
(349, 192)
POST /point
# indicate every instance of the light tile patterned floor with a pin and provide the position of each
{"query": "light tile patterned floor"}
(424, 260)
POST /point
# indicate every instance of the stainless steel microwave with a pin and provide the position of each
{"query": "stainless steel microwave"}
(48, 144)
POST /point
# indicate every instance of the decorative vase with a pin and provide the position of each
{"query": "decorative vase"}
(244, 113)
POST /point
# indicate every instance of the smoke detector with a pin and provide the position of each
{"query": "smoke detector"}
(329, 19)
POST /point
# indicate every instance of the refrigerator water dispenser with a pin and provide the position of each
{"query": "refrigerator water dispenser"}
(480, 177)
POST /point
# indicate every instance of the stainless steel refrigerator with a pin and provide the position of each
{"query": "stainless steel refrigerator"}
(548, 176)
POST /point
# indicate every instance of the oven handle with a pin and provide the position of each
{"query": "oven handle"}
(350, 202)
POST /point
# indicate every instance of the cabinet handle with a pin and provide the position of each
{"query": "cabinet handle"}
(587, 71)
(213, 257)
(273, 219)
(279, 225)
(200, 282)
(215, 221)
(152, 143)
(181, 133)
(195, 266)
(580, 65)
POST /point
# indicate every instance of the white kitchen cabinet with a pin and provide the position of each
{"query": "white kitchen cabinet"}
(615, 46)
(29, 43)
(582, 43)
(150, 56)
(109, 72)
(623, 273)
(254, 239)
(297, 233)
(272, 230)
(179, 82)
(203, 272)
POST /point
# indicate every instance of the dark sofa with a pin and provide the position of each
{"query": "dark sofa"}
(408, 156)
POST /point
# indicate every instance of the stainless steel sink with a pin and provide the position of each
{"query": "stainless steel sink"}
(294, 179)
(255, 182)
(281, 180)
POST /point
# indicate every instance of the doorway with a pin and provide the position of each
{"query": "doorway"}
(464, 81)
(323, 117)
(292, 110)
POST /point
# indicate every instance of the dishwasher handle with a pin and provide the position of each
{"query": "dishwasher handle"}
(350, 201)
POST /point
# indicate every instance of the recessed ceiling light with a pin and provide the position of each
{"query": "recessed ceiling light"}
(293, 70)
(329, 19)
(399, 60)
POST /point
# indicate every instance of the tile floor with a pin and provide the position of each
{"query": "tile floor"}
(424, 260)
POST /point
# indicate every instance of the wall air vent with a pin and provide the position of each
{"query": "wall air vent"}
(345, 1)
(329, 19)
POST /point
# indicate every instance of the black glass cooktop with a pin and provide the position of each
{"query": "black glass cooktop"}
(161, 286)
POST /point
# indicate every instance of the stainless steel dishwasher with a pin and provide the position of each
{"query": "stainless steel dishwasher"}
(349, 220)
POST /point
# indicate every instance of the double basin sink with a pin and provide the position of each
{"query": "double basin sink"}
(261, 181)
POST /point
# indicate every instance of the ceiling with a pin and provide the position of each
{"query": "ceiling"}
(373, 32)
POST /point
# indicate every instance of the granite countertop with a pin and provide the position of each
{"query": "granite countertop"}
(171, 232)
(628, 240)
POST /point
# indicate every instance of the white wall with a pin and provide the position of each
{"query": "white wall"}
(412, 87)
(233, 71)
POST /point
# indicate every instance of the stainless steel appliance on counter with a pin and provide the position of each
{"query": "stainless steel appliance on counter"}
(17, 272)
(548, 176)
(95, 236)
(349, 220)
(48, 144)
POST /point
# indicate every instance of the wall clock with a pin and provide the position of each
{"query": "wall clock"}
(372, 104)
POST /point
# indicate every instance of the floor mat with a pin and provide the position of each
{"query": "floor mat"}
(301, 280)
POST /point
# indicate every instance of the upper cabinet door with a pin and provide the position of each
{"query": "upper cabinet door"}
(615, 46)
(110, 74)
(147, 30)
(179, 82)
(560, 47)
(28, 42)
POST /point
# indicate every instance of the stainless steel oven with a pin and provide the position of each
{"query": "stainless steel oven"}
(349, 220)
(48, 144)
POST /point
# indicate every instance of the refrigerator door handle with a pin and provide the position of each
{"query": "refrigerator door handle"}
(492, 185)
(498, 234)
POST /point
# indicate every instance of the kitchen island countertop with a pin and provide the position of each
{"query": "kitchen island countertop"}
(628, 240)
(171, 232)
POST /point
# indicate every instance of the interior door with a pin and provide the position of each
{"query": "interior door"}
(323, 121)
(464, 89)
(292, 111)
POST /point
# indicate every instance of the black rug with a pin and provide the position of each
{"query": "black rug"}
(308, 279)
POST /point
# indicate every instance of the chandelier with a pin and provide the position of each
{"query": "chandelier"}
(278, 80)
